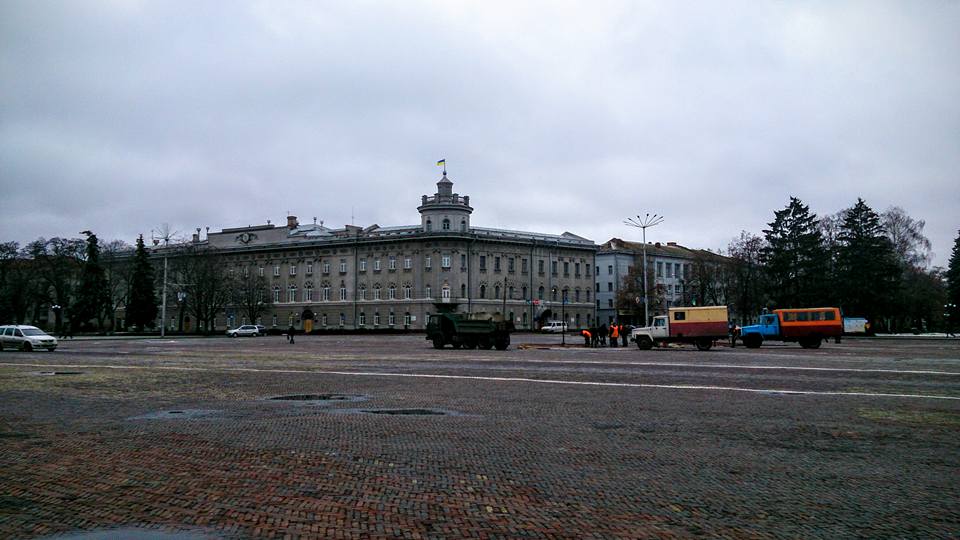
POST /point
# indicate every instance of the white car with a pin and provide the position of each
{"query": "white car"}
(251, 330)
(554, 327)
(25, 338)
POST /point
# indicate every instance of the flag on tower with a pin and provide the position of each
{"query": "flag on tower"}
(442, 162)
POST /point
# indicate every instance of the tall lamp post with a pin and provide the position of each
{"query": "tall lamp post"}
(643, 223)
(165, 235)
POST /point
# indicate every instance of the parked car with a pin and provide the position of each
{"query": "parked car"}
(554, 327)
(25, 338)
(250, 330)
(261, 329)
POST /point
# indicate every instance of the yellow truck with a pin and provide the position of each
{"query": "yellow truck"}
(697, 325)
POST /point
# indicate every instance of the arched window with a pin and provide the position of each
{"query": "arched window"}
(292, 293)
(540, 293)
(463, 225)
(376, 292)
(429, 225)
(524, 292)
(446, 224)
(483, 291)
(496, 292)
(445, 293)
(553, 294)
(427, 292)
(276, 294)
(463, 290)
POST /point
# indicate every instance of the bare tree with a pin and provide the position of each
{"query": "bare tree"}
(117, 262)
(746, 276)
(202, 274)
(251, 294)
(906, 233)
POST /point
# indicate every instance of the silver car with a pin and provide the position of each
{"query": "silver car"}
(25, 338)
(250, 330)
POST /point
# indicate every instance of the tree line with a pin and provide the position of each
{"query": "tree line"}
(870, 264)
(85, 284)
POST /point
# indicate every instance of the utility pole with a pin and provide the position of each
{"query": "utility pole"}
(643, 223)
(164, 235)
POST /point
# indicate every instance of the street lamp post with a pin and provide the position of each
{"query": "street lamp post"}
(643, 223)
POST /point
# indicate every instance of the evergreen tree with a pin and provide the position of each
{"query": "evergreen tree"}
(142, 305)
(867, 272)
(93, 296)
(794, 258)
(953, 287)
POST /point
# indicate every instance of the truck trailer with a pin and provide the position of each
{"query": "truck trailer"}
(697, 325)
(807, 326)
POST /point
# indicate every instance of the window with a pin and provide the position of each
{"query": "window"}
(598, 287)
(407, 292)
(588, 295)
(829, 316)
(343, 293)
(676, 289)
(343, 266)
(679, 315)
(445, 261)
(576, 295)
(802, 316)
(427, 292)
(292, 293)
(553, 267)
(463, 261)
(576, 269)
(323, 320)
(293, 269)
(511, 266)
(540, 266)
(326, 267)
(308, 294)
(376, 318)
(343, 319)
(276, 270)
(391, 319)
(659, 269)
(540, 293)
(609, 286)
(446, 224)
(669, 270)
(483, 291)
(309, 268)
(553, 294)
(392, 292)
(496, 264)
(510, 293)
(361, 319)
(246, 271)
(376, 292)
(260, 271)
(496, 292)
(407, 263)
(276, 295)
(392, 263)
(524, 291)
(677, 270)
(463, 290)
(326, 293)
(523, 265)
(483, 263)
(376, 265)
(445, 292)
(429, 225)
(463, 225)
(274, 319)
(610, 302)
(363, 292)
(406, 319)
(427, 262)
(609, 269)
(363, 265)
(566, 269)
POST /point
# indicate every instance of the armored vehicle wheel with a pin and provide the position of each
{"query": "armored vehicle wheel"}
(486, 343)
(502, 343)
(752, 341)
(704, 344)
(456, 344)
(470, 343)
(438, 342)
(644, 343)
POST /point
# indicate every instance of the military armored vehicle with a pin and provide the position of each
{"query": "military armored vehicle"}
(468, 330)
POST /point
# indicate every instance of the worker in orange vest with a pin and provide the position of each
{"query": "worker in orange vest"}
(587, 338)
(614, 334)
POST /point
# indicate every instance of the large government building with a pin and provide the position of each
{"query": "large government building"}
(393, 277)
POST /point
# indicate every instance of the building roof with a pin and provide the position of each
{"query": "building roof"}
(670, 249)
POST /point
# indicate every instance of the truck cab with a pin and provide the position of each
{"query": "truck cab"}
(768, 327)
(660, 329)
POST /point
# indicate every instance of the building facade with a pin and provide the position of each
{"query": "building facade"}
(393, 277)
(670, 278)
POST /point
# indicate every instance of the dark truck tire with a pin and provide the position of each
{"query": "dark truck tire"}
(752, 341)
(502, 343)
(438, 342)
(644, 343)
(810, 342)
(704, 344)
(486, 343)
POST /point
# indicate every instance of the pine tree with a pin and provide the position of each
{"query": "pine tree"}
(93, 296)
(953, 286)
(142, 305)
(867, 273)
(794, 258)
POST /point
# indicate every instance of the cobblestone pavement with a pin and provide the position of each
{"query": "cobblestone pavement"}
(387, 437)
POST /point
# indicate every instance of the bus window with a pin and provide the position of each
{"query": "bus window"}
(789, 316)
(679, 315)
(802, 316)
(816, 315)
(829, 316)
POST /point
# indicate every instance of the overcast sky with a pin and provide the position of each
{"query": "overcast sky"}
(556, 116)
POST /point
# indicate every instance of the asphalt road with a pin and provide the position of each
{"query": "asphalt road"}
(383, 436)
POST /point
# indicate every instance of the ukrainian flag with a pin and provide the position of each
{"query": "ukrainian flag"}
(441, 162)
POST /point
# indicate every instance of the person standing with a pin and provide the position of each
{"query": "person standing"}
(614, 334)
(602, 334)
(625, 334)
(290, 332)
